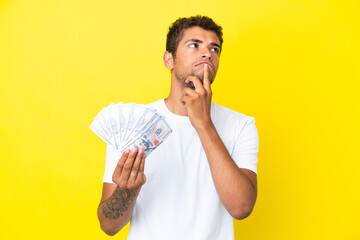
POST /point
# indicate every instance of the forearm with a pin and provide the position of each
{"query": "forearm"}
(235, 189)
(116, 211)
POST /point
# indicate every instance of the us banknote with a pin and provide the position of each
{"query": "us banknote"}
(131, 125)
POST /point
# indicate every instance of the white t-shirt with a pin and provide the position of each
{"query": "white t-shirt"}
(179, 199)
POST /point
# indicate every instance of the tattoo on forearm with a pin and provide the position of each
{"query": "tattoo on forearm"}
(118, 203)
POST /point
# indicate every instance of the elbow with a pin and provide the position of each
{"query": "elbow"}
(111, 228)
(108, 231)
(241, 212)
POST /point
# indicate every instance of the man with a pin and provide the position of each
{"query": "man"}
(204, 174)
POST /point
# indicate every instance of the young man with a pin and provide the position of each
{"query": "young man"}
(204, 174)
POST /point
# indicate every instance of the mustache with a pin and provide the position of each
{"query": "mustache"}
(182, 78)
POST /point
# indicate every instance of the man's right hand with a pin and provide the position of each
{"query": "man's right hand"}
(118, 200)
(129, 172)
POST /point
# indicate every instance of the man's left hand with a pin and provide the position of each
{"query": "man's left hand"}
(198, 101)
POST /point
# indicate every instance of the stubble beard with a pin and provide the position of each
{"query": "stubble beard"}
(181, 78)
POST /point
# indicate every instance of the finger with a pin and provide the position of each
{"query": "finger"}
(207, 83)
(120, 164)
(142, 164)
(127, 168)
(189, 92)
(196, 81)
(140, 179)
(186, 99)
(136, 167)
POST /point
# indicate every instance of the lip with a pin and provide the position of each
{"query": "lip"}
(204, 62)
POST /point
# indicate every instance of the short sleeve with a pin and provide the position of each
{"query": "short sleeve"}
(112, 158)
(246, 146)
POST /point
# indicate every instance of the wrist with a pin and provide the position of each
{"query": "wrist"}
(132, 192)
(204, 126)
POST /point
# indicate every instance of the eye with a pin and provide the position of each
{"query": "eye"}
(193, 45)
(215, 49)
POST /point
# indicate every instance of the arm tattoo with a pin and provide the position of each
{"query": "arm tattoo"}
(118, 203)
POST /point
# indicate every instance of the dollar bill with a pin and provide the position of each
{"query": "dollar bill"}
(131, 125)
(154, 135)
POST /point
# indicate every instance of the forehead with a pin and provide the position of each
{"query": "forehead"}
(200, 34)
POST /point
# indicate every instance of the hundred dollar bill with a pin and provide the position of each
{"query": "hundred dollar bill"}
(130, 125)
(126, 116)
(152, 138)
(115, 113)
(147, 119)
(100, 126)
(134, 117)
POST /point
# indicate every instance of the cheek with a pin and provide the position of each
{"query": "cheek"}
(186, 66)
(216, 64)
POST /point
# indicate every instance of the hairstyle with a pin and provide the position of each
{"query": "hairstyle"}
(176, 30)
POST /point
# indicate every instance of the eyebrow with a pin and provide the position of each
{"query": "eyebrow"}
(199, 41)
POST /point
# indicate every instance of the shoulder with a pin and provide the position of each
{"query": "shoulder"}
(221, 113)
(156, 105)
(231, 124)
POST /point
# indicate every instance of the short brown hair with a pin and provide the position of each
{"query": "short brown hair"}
(176, 30)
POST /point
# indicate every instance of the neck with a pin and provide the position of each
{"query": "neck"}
(173, 102)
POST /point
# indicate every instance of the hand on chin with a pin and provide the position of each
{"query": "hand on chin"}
(191, 84)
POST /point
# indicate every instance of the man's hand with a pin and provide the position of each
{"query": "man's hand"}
(118, 201)
(198, 101)
(129, 172)
(237, 188)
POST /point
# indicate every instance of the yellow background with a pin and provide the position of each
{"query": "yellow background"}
(293, 65)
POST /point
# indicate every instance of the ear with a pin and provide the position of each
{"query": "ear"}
(168, 60)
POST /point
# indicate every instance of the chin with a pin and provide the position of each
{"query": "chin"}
(201, 76)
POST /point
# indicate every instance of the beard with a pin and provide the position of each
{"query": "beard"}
(181, 77)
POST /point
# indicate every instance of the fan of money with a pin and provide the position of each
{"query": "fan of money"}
(131, 125)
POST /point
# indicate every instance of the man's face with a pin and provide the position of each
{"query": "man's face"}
(197, 47)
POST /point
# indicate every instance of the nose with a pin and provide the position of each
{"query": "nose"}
(206, 54)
